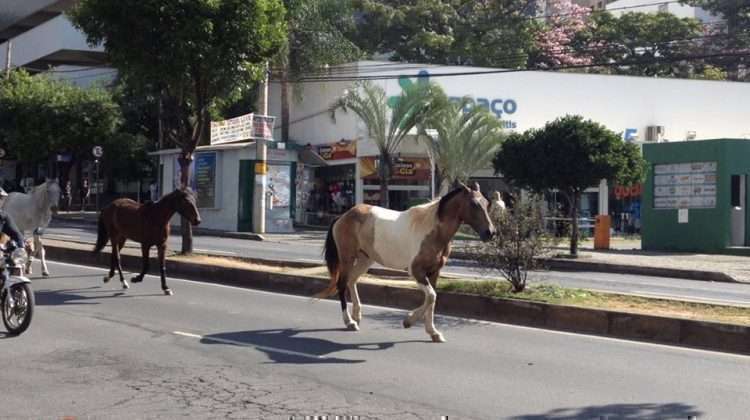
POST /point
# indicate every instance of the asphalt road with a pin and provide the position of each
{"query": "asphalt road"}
(309, 250)
(94, 351)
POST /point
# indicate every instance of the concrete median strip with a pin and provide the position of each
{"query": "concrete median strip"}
(663, 330)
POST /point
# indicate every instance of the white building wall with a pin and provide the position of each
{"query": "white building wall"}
(619, 7)
(711, 109)
(52, 36)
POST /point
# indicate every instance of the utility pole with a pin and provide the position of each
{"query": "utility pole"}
(8, 53)
(261, 166)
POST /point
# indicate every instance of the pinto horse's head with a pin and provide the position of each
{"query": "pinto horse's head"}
(186, 206)
(474, 212)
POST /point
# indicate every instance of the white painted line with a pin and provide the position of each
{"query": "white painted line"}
(241, 344)
(447, 317)
(57, 236)
(309, 260)
(215, 251)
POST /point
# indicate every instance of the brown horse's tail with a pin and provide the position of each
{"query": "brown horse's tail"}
(101, 236)
(331, 254)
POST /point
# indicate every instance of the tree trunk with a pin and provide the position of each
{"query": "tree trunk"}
(185, 227)
(284, 107)
(574, 224)
(385, 175)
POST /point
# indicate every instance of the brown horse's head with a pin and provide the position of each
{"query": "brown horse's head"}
(473, 210)
(185, 205)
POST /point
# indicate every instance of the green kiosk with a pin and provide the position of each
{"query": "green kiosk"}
(695, 196)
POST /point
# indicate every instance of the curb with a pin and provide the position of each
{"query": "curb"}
(663, 330)
(561, 264)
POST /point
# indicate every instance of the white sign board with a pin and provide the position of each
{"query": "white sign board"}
(685, 185)
(244, 127)
(97, 151)
(682, 216)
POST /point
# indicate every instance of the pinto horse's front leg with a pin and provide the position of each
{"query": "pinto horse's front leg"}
(427, 309)
(163, 269)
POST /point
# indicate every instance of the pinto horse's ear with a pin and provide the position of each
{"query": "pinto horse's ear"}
(475, 187)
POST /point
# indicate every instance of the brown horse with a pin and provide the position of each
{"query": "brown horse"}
(416, 240)
(145, 223)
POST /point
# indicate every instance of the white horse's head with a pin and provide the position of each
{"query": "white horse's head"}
(497, 205)
(53, 193)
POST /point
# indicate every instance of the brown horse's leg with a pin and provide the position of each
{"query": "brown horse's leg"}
(162, 269)
(112, 260)
(144, 252)
(120, 245)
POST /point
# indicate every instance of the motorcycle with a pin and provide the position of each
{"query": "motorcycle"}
(16, 295)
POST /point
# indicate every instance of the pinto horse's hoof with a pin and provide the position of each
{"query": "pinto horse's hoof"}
(168, 292)
(107, 279)
(137, 279)
(45, 274)
(437, 338)
(406, 323)
(125, 285)
(353, 327)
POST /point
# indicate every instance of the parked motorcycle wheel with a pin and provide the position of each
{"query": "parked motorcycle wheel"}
(17, 317)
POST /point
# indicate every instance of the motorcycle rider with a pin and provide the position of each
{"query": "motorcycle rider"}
(8, 227)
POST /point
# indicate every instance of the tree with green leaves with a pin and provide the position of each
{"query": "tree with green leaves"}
(319, 34)
(466, 141)
(728, 38)
(498, 33)
(388, 126)
(649, 44)
(192, 52)
(569, 154)
(40, 117)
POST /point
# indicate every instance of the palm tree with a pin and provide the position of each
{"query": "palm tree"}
(466, 141)
(368, 101)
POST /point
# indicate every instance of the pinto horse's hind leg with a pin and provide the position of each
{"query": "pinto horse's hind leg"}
(360, 267)
(144, 252)
(162, 249)
(347, 269)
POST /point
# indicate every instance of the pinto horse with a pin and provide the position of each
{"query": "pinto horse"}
(417, 240)
(145, 223)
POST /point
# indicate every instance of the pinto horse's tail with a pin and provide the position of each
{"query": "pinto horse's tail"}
(331, 254)
(101, 236)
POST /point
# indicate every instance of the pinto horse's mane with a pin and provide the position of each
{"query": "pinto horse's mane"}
(444, 200)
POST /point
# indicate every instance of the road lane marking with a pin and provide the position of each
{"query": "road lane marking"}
(215, 251)
(241, 344)
(695, 299)
(58, 236)
(447, 317)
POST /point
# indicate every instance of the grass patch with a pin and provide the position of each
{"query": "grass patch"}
(596, 300)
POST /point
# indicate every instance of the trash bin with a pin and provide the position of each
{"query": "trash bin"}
(601, 231)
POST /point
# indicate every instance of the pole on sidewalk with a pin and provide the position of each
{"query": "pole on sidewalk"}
(8, 55)
(261, 167)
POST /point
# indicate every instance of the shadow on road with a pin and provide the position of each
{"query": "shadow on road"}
(288, 346)
(620, 412)
(39, 277)
(63, 297)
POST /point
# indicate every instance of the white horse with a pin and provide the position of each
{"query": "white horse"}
(32, 213)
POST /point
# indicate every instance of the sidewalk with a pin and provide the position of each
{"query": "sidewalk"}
(625, 255)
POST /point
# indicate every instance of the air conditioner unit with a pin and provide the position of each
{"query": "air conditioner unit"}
(655, 133)
(691, 135)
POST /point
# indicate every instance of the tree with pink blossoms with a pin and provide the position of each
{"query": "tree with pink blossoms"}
(556, 41)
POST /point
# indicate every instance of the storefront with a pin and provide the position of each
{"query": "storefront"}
(409, 184)
(223, 176)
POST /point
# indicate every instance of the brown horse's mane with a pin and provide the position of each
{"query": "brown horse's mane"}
(444, 201)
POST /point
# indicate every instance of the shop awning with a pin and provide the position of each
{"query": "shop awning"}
(309, 157)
